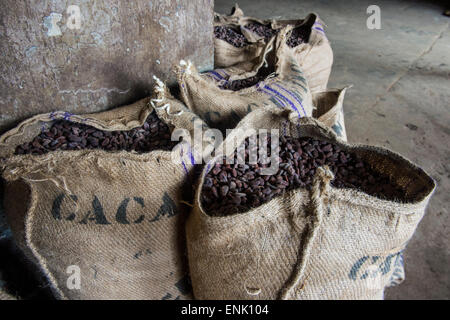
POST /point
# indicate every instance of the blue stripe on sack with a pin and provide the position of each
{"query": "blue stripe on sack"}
(296, 97)
(184, 166)
(208, 168)
(209, 74)
(319, 29)
(225, 74)
(277, 101)
(356, 266)
(297, 70)
(182, 162)
(286, 99)
(318, 24)
(275, 96)
(280, 103)
(300, 98)
(67, 116)
(295, 81)
(191, 156)
(216, 74)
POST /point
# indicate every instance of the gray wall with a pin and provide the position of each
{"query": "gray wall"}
(47, 64)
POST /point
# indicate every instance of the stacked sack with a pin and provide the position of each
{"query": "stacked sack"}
(241, 39)
(332, 219)
(248, 53)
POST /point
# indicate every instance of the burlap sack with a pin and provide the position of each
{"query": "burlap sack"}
(233, 17)
(325, 243)
(113, 218)
(251, 36)
(225, 54)
(284, 87)
(246, 58)
(329, 110)
(315, 56)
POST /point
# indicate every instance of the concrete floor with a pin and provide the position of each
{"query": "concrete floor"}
(400, 100)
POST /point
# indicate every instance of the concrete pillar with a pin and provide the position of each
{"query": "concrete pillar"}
(86, 56)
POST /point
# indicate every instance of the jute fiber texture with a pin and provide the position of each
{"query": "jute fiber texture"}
(115, 219)
(329, 110)
(314, 55)
(284, 86)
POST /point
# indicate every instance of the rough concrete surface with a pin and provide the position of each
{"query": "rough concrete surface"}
(48, 62)
(86, 56)
(400, 100)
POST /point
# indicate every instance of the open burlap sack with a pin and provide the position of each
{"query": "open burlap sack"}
(113, 220)
(325, 243)
(225, 54)
(283, 86)
(247, 58)
(329, 110)
(251, 36)
(315, 55)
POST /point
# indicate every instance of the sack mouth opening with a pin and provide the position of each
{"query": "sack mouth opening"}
(145, 138)
(268, 70)
(348, 195)
(236, 29)
(48, 141)
(415, 184)
(265, 74)
(305, 28)
(340, 194)
(244, 47)
(310, 24)
(266, 24)
(234, 10)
